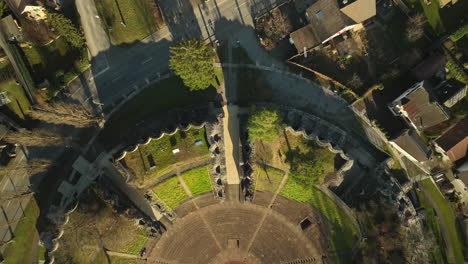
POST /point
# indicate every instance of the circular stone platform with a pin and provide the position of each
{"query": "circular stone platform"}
(237, 233)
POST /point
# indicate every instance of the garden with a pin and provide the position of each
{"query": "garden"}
(171, 192)
(127, 21)
(19, 104)
(162, 156)
(297, 154)
(58, 62)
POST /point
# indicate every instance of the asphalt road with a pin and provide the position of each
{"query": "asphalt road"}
(116, 71)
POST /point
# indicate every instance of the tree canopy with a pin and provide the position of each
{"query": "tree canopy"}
(264, 124)
(192, 60)
(67, 29)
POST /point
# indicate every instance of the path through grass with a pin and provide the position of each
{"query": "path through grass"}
(170, 192)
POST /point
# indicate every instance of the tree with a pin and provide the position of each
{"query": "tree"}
(415, 27)
(275, 27)
(355, 81)
(61, 112)
(192, 61)
(264, 124)
(67, 29)
(37, 137)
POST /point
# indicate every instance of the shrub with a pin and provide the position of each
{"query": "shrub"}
(67, 29)
(460, 33)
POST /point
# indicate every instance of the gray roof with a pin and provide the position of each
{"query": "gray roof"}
(410, 142)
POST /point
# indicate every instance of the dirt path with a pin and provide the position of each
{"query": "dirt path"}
(184, 185)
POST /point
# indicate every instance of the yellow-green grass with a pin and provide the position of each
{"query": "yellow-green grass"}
(267, 178)
(448, 216)
(344, 232)
(197, 180)
(295, 153)
(97, 224)
(433, 17)
(19, 104)
(41, 251)
(120, 260)
(438, 252)
(219, 77)
(19, 251)
(139, 21)
(164, 159)
(170, 192)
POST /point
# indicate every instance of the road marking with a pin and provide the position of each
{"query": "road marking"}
(117, 78)
(147, 60)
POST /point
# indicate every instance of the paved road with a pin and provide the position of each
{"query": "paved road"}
(131, 67)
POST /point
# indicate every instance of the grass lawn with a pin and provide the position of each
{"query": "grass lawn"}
(198, 180)
(58, 62)
(433, 17)
(170, 192)
(267, 178)
(137, 16)
(95, 222)
(19, 251)
(41, 251)
(438, 253)
(163, 96)
(344, 232)
(294, 153)
(117, 260)
(160, 151)
(19, 104)
(448, 216)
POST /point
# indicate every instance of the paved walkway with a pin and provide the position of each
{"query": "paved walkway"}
(231, 143)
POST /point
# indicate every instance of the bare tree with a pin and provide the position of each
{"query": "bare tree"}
(37, 137)
(61, 112)
(276, 27)
(415, 27)
(355, 81)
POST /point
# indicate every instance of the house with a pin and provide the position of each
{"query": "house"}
(450, 92)
(18, 6)
(330, 18)
(35, 13)
(443, 3)
(453, 144)
(411, 146)
(418, 107)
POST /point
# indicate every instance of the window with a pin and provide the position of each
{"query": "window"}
(319, 14)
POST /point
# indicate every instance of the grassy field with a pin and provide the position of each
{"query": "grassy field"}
(163, 96)
(197, 180)
(438, 253)
(295, 153)
(433, 17)
(344, 232)
(448, 216)
(58, 62)
(160, 151)
(267, 178)
(93, 223)
(117, 260)
(137, 16)
(19, 251)
(19, 104)
(170, 192)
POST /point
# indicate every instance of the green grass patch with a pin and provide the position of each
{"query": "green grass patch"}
(438, 253)
(137, 18)
(41, 251)
(170, 192)
(219, 77)
(19, 104)
(19, 251)
(58, 62)
(267, 178)
(299, 155)
(118, 260)
(344, 233)
(433, 17)
(449, 218)
(163, 96)
(137, 243)
(160, 151)
(198, 180)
